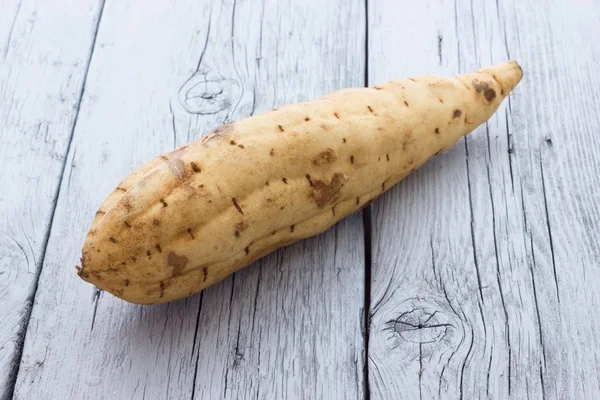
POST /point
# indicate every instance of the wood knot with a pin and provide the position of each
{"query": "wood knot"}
(423, 324)
(208, 93)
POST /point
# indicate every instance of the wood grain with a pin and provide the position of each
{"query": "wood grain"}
(289, 326)
(42, 70)
(485, 260)
(162, 74)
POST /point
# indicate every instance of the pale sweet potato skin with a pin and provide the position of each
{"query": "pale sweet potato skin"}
(193, 216)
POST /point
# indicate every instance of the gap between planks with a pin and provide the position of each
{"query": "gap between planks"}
(9, 392)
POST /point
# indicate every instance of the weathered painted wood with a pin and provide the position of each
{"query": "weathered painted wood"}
(290, 326)
(485, 261)
(163, 73)
(42, 68)
(558, 165)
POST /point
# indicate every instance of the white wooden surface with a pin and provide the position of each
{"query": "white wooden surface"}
(252, 335)
(41, 73)
(484, 264)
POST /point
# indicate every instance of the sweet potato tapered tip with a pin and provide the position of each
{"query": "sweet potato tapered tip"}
(508, 74)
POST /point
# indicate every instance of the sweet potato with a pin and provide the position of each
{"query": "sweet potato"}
(198, 213)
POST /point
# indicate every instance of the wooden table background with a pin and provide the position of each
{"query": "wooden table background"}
(476, 277)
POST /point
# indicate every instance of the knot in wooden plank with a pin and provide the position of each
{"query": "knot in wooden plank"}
(421, 326)
(208, 93)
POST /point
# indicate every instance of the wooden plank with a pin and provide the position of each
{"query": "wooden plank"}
(558, 165)
(483, 260)
(93, 345)
(290, 326)
(42, 68)
(163, 74)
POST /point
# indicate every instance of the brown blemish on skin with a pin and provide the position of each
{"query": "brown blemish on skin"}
(237, 233)
(126, 282)
(272, 152)
(378, 88)
(177, 262)
(241, 146)
(100, 212)
(158, 248)
(127, 204)
(127, 224)
(236, 205)
(284, 180)
(370, 109)
(121, 189)
(488, 92)
(148, 253)
(205, 272)
(247, 250)
(112, 239)
(155, 222)
(310, 181)
(307, 119)
(162, 290)
(232, 142)
(273, 233)
(437, 131)
(441, 101)
(333, 210)
(457, 114)
(357, 200)
(241, 226)
(195, 167)
(351, 159)
(411, 79)
(344, 139)
(164, 203)
(292, 228)
(133, 259)
(336, 115)
(200, 186)
(282, 207)
(267, 183)
(412, 170)
(387, 157)
(406, 103)
(437, 153)
(281, 128)
(269, 200)
(325, 193)
(191, 233)
(324, 158)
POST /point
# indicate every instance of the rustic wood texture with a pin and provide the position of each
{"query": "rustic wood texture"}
(42, 69)
(485, 261)
(484, 264)
(162, 74)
